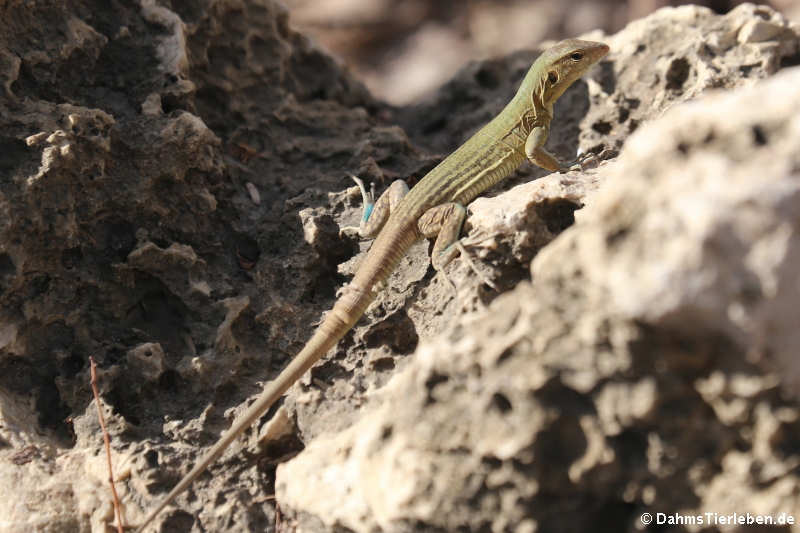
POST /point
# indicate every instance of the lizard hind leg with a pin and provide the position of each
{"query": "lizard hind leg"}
(444, 222)
(377, 213)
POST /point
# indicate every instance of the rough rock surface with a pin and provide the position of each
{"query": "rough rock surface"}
(172, 184)
(626, 378)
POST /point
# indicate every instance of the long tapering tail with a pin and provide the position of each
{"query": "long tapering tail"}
(382, 258)
(338, 321)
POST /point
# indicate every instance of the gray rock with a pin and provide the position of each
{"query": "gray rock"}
(630, 377)
(131, 140)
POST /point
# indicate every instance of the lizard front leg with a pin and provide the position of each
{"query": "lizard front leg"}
(377, 213)
(536, 153)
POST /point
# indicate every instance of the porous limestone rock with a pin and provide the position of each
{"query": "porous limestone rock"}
(132, 139)
(640, 372)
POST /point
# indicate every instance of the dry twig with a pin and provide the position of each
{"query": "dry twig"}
(107, 439)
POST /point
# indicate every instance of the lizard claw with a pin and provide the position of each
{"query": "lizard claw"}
(465, 255)
(584, 161)
(476, 237)
(367, 197)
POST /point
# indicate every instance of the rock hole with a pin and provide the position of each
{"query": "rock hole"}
(632, 103)
(7, 272)
(616, 235)
(397, 331)
(160, 316)
(435, 380)
(501, 402)
(759, 137)
(151, 457)
(557, 215)
(384, 364)
(677, 74)
(7, 267)
(790, 61)
(12, 153)
(52, 410)
(170, 381)
(505, 355)
(747, 69)
(178, 521)
(431, 383)
(247, 248)
(631, 447)
(119, 240)
(124, 404)
(491, 461)
(172, 102)
(602, 127)
(759, 11)
(72, 365)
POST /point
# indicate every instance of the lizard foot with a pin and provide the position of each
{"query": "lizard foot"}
(368, 199)
(468, 259)
(582, 162)
(588, 160)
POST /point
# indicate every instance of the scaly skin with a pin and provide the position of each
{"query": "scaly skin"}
(433, 208)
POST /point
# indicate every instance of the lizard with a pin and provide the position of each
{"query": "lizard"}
(433, 208)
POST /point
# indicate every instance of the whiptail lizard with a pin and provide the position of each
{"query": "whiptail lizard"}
(433, 208)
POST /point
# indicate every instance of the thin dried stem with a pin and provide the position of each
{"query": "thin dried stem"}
(107, 439)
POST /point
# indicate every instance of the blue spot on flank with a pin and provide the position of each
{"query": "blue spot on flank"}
(367, 211)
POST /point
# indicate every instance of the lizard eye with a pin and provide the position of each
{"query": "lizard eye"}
(552, 76)
(576, 56)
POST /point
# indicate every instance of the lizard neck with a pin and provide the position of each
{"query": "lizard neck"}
(490, 155)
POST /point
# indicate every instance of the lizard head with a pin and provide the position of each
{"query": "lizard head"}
(560, 65)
